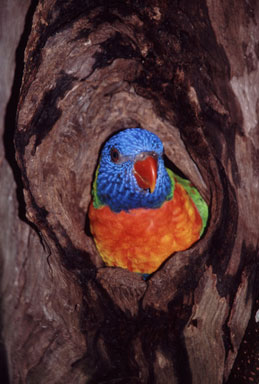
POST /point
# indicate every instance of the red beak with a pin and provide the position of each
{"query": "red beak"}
(145, 172)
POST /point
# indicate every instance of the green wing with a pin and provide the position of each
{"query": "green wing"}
(96, 201)
(194, 195)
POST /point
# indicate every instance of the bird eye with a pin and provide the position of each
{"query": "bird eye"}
(115, 155)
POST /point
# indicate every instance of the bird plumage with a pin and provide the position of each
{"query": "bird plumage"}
(116, 185)
(137, 227)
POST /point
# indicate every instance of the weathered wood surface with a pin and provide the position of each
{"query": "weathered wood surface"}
(187, 72)
(14, 233)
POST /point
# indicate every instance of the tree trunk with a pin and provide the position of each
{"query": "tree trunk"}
(188, 72)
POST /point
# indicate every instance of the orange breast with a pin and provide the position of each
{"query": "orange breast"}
(141, 239)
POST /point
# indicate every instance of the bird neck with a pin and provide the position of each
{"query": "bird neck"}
(125, 197)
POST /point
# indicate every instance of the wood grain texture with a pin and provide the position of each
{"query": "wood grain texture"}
(186, 72)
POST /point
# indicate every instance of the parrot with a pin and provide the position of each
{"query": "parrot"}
(142, 212)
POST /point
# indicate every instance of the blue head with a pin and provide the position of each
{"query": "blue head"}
(131, 172)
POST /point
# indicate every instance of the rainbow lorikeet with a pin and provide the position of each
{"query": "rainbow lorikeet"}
(141, 212)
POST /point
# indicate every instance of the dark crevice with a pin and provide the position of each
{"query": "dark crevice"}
(247, 361)
(117, 46)
(169, 164)
(3, 364)
(11, 109)
(45, 116)
(163, 331)
(102, 345)
(224, 236)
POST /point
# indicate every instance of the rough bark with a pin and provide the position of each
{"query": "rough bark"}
(186, 71)
(11, 226)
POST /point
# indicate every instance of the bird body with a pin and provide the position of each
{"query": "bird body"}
(142, 212)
